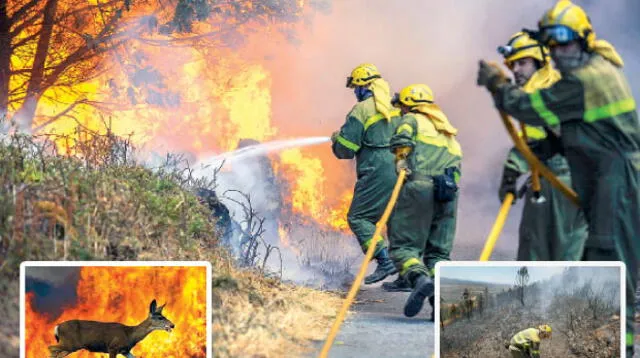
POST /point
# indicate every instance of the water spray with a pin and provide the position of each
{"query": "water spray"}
(260, 149)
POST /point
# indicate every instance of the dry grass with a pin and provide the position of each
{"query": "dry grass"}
(258, 317)
(100, 205)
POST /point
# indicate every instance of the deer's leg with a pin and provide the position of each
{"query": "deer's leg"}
(113, 354)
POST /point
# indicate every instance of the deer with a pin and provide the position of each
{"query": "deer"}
(106, 337)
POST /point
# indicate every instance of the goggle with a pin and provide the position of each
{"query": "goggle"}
(349, 80)
(557, 35)
(395, 100)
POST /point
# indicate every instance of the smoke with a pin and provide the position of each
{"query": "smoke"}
(54, 288)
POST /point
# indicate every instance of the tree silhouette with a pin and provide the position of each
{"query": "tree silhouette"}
(522, 279)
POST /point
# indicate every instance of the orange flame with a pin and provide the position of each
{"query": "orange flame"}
(216, 96)
(123, 294)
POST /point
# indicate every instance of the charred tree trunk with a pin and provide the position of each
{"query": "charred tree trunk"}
(5, 57)
(26, 113)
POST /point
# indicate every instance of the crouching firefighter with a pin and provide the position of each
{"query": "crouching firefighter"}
(422, 226)
(552, 228)
(526, 343)
(365, 135)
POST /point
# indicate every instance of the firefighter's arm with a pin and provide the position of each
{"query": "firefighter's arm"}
(347, 142)
(545, 107)
(403, 142)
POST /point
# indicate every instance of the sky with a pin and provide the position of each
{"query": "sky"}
(500, 275)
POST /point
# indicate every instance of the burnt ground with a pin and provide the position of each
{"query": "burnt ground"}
(484, 335)
(378, 328)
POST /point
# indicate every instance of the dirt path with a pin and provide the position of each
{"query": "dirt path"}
(377, 328)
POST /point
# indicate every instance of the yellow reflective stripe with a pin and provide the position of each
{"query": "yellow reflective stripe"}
(534, 351)
(441, 141)
(610, 110)
(366, 244)
(629, 338)
(533, 133)
(538, 105)
(407, 264)
(350, 145)
(405, 127)
(373, 120)
(432, 272)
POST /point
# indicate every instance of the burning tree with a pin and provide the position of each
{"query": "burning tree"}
(522, 279)
(53, 51)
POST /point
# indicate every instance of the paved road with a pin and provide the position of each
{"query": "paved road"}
(377, 328)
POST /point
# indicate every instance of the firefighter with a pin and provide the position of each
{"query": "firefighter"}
(552, 228)
(596, 111)
(422, 225)
(526, 343)
(365, 135)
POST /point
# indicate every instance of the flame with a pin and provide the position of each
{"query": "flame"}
(123, 294)
(284, 233)
(203, 100)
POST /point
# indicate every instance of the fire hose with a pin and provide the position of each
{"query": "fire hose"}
(537, 168)
(363, 268)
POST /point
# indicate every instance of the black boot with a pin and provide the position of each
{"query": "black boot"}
(385, 268)
(399, 285)
(422, 289)
(432, 300)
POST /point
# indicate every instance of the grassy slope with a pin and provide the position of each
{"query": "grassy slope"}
(113, 209)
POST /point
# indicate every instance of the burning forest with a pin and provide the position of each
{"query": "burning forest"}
(196, 78)
(122, 295)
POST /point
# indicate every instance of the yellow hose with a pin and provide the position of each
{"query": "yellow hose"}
(537, 168)
(535, 163)
(497, 227)
(363, 268)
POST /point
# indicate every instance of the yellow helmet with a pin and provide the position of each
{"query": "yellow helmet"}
(521, 45)
(545, 328)
(565, 22)
(363, 75)
(414, 95)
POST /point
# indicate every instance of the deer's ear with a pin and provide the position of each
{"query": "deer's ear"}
(152, 307)
(159, 310)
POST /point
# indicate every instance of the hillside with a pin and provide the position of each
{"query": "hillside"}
(100, 204)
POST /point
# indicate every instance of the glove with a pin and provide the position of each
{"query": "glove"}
(508, 184)
(401, 165)
(490, 75)
(334, 136)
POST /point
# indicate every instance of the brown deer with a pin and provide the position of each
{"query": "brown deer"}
(103, 337)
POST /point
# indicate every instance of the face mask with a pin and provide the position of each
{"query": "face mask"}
(362, 93)
(569, 62)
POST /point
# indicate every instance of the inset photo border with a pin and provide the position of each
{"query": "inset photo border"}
(573, 287)
(164, 298)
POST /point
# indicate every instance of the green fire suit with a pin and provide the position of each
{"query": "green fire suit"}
(365, 135)
(597, 113)
(553, 230)
(421, 229)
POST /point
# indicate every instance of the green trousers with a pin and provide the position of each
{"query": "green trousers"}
(370, 197)
(421, 230)
(556, 229)
(611, 202)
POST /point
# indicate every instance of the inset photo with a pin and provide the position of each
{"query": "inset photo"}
(115, 309)
(530, 309)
